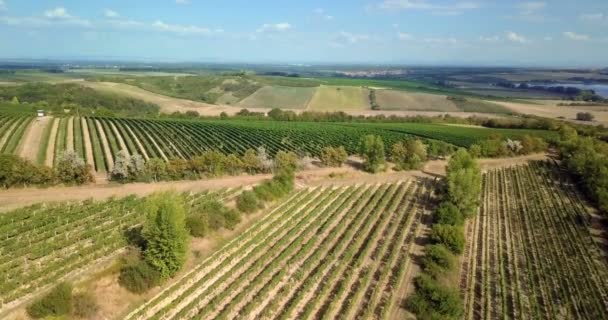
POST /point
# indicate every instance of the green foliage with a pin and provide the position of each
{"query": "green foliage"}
(450, 236)
(247, 202)
(251, 162)
(210, 215)
(464, 182)
(58, 302)
(233, 165)
(15, 171)
(71, 169)
(210, 163)
(285, 162)
(85, 305)
(371, 149)
(437, 260)
(139, 277)
(408, 155)
(165, 233)
(334, 156)
(156, 168)
(449, 214)
(433, 301)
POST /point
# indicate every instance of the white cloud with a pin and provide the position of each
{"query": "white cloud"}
(441, 40)
(182, 1)
(404, 36)
(576, 36)
(343, 38)
(528, 8)
(514, 37)
(593, 16)
(110, 13)
(278, 27)
(320, 12)
(489, 38)
(180, 29)
(57, 13)
(439, 9)
(2, 5)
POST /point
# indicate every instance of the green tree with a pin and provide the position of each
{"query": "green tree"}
(165, 233)
(450, 236)
(285, 162)
(334, 156)
(71, 169)
(156, 168)
(251, 162)
(371, 149)
(233, 164)
(408, 155)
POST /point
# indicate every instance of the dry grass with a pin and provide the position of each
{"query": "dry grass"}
(399, 100)
(339, 98)
(279, 97)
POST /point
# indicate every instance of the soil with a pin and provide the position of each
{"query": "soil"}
(70, 135)
(50, 149)
(32, 138)
(88, 148)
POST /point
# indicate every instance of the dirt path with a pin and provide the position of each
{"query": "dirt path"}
(70, 135)
(105, 145)
(32, 138)
(121, 141)
(88, 148)
(50, 148)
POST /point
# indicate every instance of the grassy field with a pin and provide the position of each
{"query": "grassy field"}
(472, 105)
(280, 97)
(336, 98)
(401, 100)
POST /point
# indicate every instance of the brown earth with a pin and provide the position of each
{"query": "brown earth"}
(50, 149)
(70, 135)
(32, 138)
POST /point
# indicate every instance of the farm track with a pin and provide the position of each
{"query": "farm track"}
(70, 135)
(531, 252)
(32, 138)
(88, 147)
(274, 269)
(50, 149)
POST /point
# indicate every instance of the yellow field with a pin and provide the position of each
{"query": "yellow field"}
(338, 98)
(400, 100)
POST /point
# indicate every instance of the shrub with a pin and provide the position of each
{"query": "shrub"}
(334, 157)
(449, 214)
(450, 236)
(58, 302)
(156, 169)
(408, 155)
(165, 233)
(198, 225)
(371, 149)
(139, 277)
(251, 162)
(285, 162)
(15, 171)
(71, 169)
(434, 301)
(247, 202)
(85, 305)
(437, 260)
(585, 116)
(211, 215)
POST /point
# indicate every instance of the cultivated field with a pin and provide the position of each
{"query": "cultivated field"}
(340, 98)
(324, 253)
(531, 250)
(45, 244)
(402, 100)
(279, 97)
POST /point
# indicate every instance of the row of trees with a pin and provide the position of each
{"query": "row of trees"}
(435, 296)
(70, 169)
(497, 146)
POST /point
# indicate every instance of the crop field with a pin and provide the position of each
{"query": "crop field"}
(324, 253)
(335, 98)
(531, 253)
(12, 129)
(401, 100)
(279, 97)
(43, 244)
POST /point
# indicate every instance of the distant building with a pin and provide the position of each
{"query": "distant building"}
(40, 113)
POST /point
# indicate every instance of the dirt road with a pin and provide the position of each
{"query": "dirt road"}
(32, 138)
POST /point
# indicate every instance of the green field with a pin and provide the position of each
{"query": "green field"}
(402, 100)
(279, 97)
(340, 98)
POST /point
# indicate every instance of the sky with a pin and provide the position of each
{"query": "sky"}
(416, 32)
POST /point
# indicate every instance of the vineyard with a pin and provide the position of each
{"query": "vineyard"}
(324, 253)
(530, 253)
(97, 140)
(43, 244)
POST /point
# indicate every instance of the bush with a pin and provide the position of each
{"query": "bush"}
(585, 116)
(58, 302)
(285, 162)
(139, 277)
(71, 169)
(437, 260)
(334, 157)
(449, 214)
(450, 236)
(371, 149)
(165, 233)
(408, 155)
(433, 301)
(85, 305)
(247, 202)
(198, 224)
(211, 215)
(15, 171)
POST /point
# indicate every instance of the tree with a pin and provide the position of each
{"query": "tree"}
(408, 155)
(233, 164)
(449, 214)
(464, 182)
(210, 162)
(165, 233)
(247, 202)
(585, 116)
(156, 168)
(16, 171)
(371, 149)
(120, 171)
(251, 162)
(450, 236)
(71, 168)
(334, 156)
(266, 164)
(285, 162)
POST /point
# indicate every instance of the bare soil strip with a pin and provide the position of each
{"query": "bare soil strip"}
(139, 145)
(32, 138)
(121, 141)
(50, 149)
(70, 135)
(88, 147)
(105, 145)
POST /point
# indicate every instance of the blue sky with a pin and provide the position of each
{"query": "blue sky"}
(531, 33)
